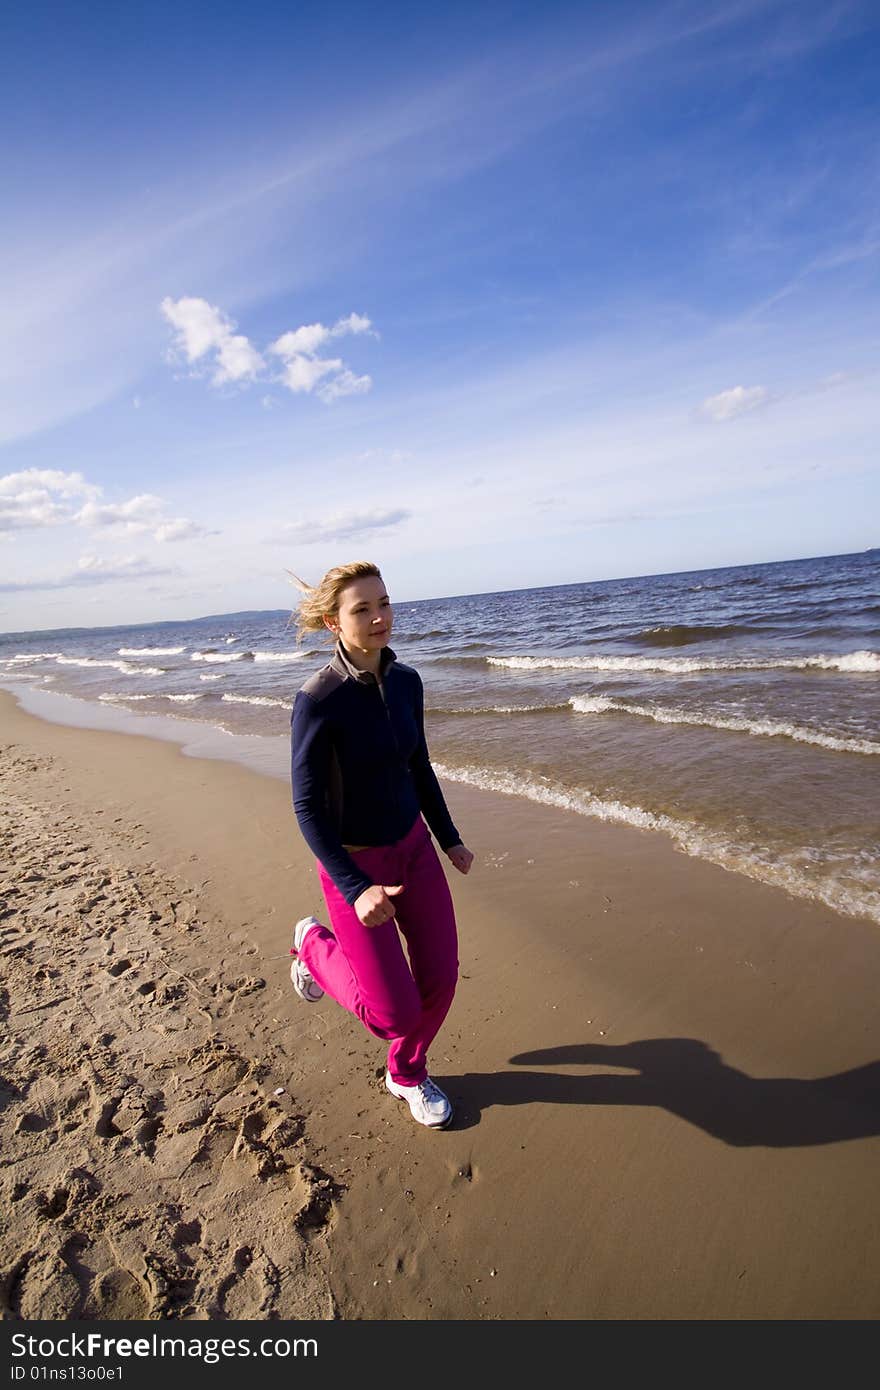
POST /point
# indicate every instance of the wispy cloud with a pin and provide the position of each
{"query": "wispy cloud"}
(205, 332)
(739, 400)
(141, 515)
(93, 570)
(37, 498)
(342, 526)
(345, 384)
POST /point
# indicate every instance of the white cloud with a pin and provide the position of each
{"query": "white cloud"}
(306, 339)
(140, 513)
(304, 373)
(92, 570)
(40, 497)
(202, 328)
(304, 369)
(342, 526)
(355, 323)
(237, 360)
(346, 384)
(739, 400)
(139, 516)
(180, 529)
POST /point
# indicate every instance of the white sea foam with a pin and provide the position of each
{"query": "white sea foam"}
(853, 662)
(856, 661)
(690, 838)
(498, 709)
(515, 709)
(123, 695)
(279, 656)
(151, 651)
(28, 658)
(769, 728)
(597, 704)
(125, 667)
(220, 657)
(218, 676)
(255, 700)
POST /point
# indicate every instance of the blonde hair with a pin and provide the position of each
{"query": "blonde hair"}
(322, 598)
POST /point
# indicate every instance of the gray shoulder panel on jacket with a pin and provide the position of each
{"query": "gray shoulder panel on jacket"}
(322, 683)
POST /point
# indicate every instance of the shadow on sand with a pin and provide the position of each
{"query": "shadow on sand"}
(687, 1078)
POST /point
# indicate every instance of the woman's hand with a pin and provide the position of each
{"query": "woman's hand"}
(374, 906)
(461, 857)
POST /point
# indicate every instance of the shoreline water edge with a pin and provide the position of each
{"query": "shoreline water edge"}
(665, 1075)
(736, 711)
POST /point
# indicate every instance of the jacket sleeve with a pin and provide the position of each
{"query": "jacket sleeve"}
(430, 796)
(311, 754)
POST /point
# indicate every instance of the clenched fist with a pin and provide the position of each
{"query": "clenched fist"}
(461, 857)
(374, 906)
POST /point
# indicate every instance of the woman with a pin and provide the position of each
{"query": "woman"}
(362, 779)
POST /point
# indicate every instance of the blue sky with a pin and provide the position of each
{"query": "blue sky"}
(497, 295)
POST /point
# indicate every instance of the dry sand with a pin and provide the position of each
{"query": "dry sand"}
(666, 1076)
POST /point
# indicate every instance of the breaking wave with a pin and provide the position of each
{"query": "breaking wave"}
(688, 837)
(863, 661)
(769, 728)
(151, 651)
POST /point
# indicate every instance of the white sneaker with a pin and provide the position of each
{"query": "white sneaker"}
(301, 977)
(429, 1105)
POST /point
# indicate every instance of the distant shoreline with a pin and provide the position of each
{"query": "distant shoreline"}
(488, 593)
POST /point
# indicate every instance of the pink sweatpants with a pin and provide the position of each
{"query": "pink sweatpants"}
(364, 968)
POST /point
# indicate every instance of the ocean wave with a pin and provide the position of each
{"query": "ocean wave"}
(212, 676)
(278, 656)
(126, 696)
(222, 656)
(683, 634)
(126, 667)
(460, 659)
(151, 651)
(498, 709)
(688, 837)
(769, 728)
(27, 658)
(255, 700)
(856, 661)
(863, 661)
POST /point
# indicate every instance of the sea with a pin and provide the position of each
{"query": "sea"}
(735, 711)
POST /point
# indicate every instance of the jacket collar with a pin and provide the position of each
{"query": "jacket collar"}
(343, 663)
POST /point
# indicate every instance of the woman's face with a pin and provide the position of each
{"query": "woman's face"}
(364, 619)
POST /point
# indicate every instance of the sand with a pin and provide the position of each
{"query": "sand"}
(666, 1075)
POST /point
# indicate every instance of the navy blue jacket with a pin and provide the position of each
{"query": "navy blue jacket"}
(360, 768)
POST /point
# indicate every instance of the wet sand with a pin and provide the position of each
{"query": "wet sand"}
(666, 1076)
